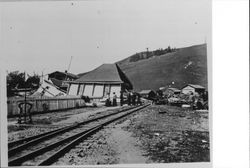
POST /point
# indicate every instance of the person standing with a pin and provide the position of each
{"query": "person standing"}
(205, 96)
(192, 100)
(108, 101)
(114, 99)
(139, 99)
(129, 98)
(134, 99)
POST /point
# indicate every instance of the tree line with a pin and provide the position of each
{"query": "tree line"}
(16, 80)
(148, 54)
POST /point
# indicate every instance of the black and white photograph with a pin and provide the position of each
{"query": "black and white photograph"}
(107, 82)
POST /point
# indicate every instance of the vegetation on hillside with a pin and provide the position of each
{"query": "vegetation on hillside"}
(16, 80)
(147, 54)
(172, 69)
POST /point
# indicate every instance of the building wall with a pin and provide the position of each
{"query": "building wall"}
(187, 90)
(95, 90)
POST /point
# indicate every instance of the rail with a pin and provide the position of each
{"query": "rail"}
(68, 142)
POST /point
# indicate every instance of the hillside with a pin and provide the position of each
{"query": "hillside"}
(186, 65)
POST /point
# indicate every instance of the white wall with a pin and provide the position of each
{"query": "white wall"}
(88, 90)
(98, 90)
(94, 90)
(187, 90)
(73, 89)
(116, 89)
(81, 87)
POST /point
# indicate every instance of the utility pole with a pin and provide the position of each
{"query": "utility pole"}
(68, 68)
(70, 63)
(147, 52)
(25, 99)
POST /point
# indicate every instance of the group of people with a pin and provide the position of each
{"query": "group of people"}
(113, 102)
(132, 99)
(199, 101)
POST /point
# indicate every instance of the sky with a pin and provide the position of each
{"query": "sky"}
(41, 37)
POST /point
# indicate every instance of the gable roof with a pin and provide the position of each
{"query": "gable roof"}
(194, 86)
(65, 73)
(106, 73)
(174, 89)
(146, 91)
(56, 82)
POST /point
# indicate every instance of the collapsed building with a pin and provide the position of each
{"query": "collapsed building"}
(48, 89)
(58, 79)
(191, 88)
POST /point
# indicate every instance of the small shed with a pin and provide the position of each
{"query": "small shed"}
(191, 88)
(148, 94)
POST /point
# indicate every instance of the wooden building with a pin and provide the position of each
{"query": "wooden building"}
(48, 89)
(100, 82)
(171, 91)
(148, 94)
(190, 88)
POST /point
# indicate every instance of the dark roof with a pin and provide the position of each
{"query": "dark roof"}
(56, 82)
(194, 86)
(81, 74)
(58, 87)
(66, 74)
(106, 73)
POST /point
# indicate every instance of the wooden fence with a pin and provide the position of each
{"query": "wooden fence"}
(43, 105)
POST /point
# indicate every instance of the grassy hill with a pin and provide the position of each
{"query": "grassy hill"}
(183, 66)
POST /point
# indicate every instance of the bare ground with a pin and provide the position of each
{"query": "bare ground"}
(177, 135)
(157, 134)
(112, 145)
(50, 121)
(173, 135)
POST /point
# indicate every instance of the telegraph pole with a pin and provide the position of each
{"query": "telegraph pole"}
(147, 52)
(68, 67)
(25, 97)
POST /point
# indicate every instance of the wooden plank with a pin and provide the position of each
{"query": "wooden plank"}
(52, 103)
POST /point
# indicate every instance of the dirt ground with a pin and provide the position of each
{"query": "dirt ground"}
(172, 134)
(157, 134)
(50, 121)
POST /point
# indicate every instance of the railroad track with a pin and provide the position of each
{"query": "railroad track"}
(45, 149)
